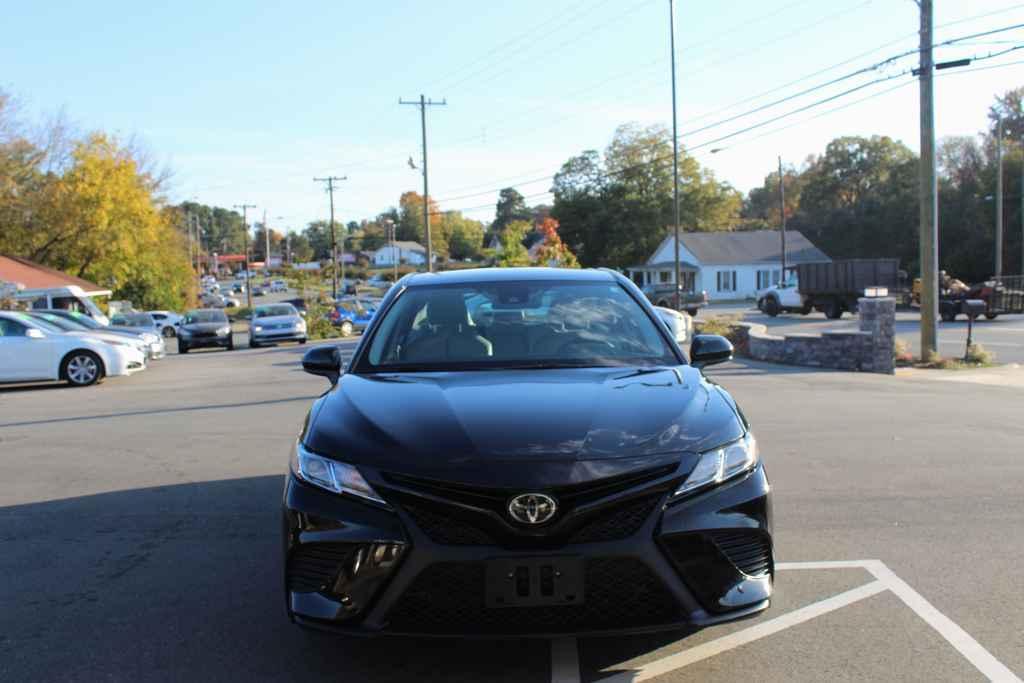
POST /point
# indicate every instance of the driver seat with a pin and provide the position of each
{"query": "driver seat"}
(451, 337)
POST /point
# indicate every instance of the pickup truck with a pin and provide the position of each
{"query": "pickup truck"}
(664, 295)
(833, 288)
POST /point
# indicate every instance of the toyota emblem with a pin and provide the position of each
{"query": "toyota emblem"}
(532, 508)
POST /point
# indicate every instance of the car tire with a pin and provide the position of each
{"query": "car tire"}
(771, 307)
(231, 345)
(991, 316)
(253, 344)
(948, 316)
(182, 348)
(693, 312)
(346, 329)
(81, 368)
(168, 331)
(807, 309)
(302, 341)
(833, 310)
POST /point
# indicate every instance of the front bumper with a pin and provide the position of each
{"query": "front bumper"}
(699, 561)
(274, 336)
(196, 342)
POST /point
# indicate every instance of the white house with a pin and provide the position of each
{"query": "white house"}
(412, 253)
(726, 264)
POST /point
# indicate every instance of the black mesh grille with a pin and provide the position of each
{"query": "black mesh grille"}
(749, 551)
(449, 598)
(618, 523)
(313, 567)
(447, 530)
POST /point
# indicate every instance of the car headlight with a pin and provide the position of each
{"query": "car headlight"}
(301, 326)
(150, 338)
(723, 463)
(331, 475)
(224, 330)
(257, 328)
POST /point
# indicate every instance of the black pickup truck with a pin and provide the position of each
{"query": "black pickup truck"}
(664, 295)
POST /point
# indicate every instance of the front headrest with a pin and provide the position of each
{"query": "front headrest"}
(447, 308)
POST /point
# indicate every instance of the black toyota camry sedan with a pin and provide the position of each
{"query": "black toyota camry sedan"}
(523, 452)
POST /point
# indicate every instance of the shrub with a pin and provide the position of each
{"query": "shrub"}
(979, 355)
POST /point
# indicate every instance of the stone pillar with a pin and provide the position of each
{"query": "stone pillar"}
(878, 317)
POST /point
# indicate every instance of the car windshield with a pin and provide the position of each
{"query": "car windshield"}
(84, 320)
(205, 316)
(40, 323)
(59, 322)
(515, 325)
(271, 311)
(135, 320)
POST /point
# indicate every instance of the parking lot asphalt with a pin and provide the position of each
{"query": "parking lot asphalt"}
(140, 539)
(1004, 336)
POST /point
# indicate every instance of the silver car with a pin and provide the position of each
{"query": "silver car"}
(274, 323)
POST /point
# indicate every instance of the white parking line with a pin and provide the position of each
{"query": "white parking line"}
(565, 666)
(565, 661)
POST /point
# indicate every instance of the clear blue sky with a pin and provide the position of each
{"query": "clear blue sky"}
(247, 101)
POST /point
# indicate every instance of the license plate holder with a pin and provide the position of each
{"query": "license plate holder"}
(534, 581)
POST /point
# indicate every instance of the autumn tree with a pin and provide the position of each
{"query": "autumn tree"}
(553, 251)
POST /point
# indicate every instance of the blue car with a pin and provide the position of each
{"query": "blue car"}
(351, 316)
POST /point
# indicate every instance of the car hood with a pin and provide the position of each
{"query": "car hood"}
(278, 319)
(135, 341)
(573, 424)
(204, 327)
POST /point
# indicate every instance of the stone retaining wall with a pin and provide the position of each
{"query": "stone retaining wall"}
(869, 349)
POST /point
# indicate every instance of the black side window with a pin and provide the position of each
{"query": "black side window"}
(9, 328)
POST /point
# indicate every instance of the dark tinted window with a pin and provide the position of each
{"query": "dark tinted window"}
(9, 328)
(522, 324)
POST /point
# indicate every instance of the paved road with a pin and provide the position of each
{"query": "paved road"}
(139, 537)
(1004, 336)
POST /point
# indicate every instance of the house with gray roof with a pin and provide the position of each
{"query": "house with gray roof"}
(726, 264)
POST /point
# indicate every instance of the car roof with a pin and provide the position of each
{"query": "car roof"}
(477, 275)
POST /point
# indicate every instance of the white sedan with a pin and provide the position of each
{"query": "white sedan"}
(32, 350)
(679, 324)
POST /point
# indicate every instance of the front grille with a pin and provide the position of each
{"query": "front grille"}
(449, 597)
(749, 551)
(609, 524)
(617, 523)
(447, 530)
(313, 567)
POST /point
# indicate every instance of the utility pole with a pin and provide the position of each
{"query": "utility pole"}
(928, 192)
(394, 252)
(675, 154)
(999, 197)
(266, 244)
(330, 180)
(782, 214)
(423, 103)
(245, 255)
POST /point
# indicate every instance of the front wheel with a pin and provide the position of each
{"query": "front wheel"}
(168, 332)
(302, 341)
(991, 316)
(833, 310)
(771, 307)
(231, 345)
(693, 312)
(82, 368)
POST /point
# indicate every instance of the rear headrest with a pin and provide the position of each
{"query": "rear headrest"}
(447, 308)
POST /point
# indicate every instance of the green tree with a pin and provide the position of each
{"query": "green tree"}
(511, 207)
(318, 234)
(465, 236)
(410, 223)
(513, 251)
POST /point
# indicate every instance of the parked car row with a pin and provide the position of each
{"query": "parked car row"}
(58, 345)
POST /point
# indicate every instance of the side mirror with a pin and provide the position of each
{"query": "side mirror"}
(324, 361)
(709, 349)
(33, 333)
